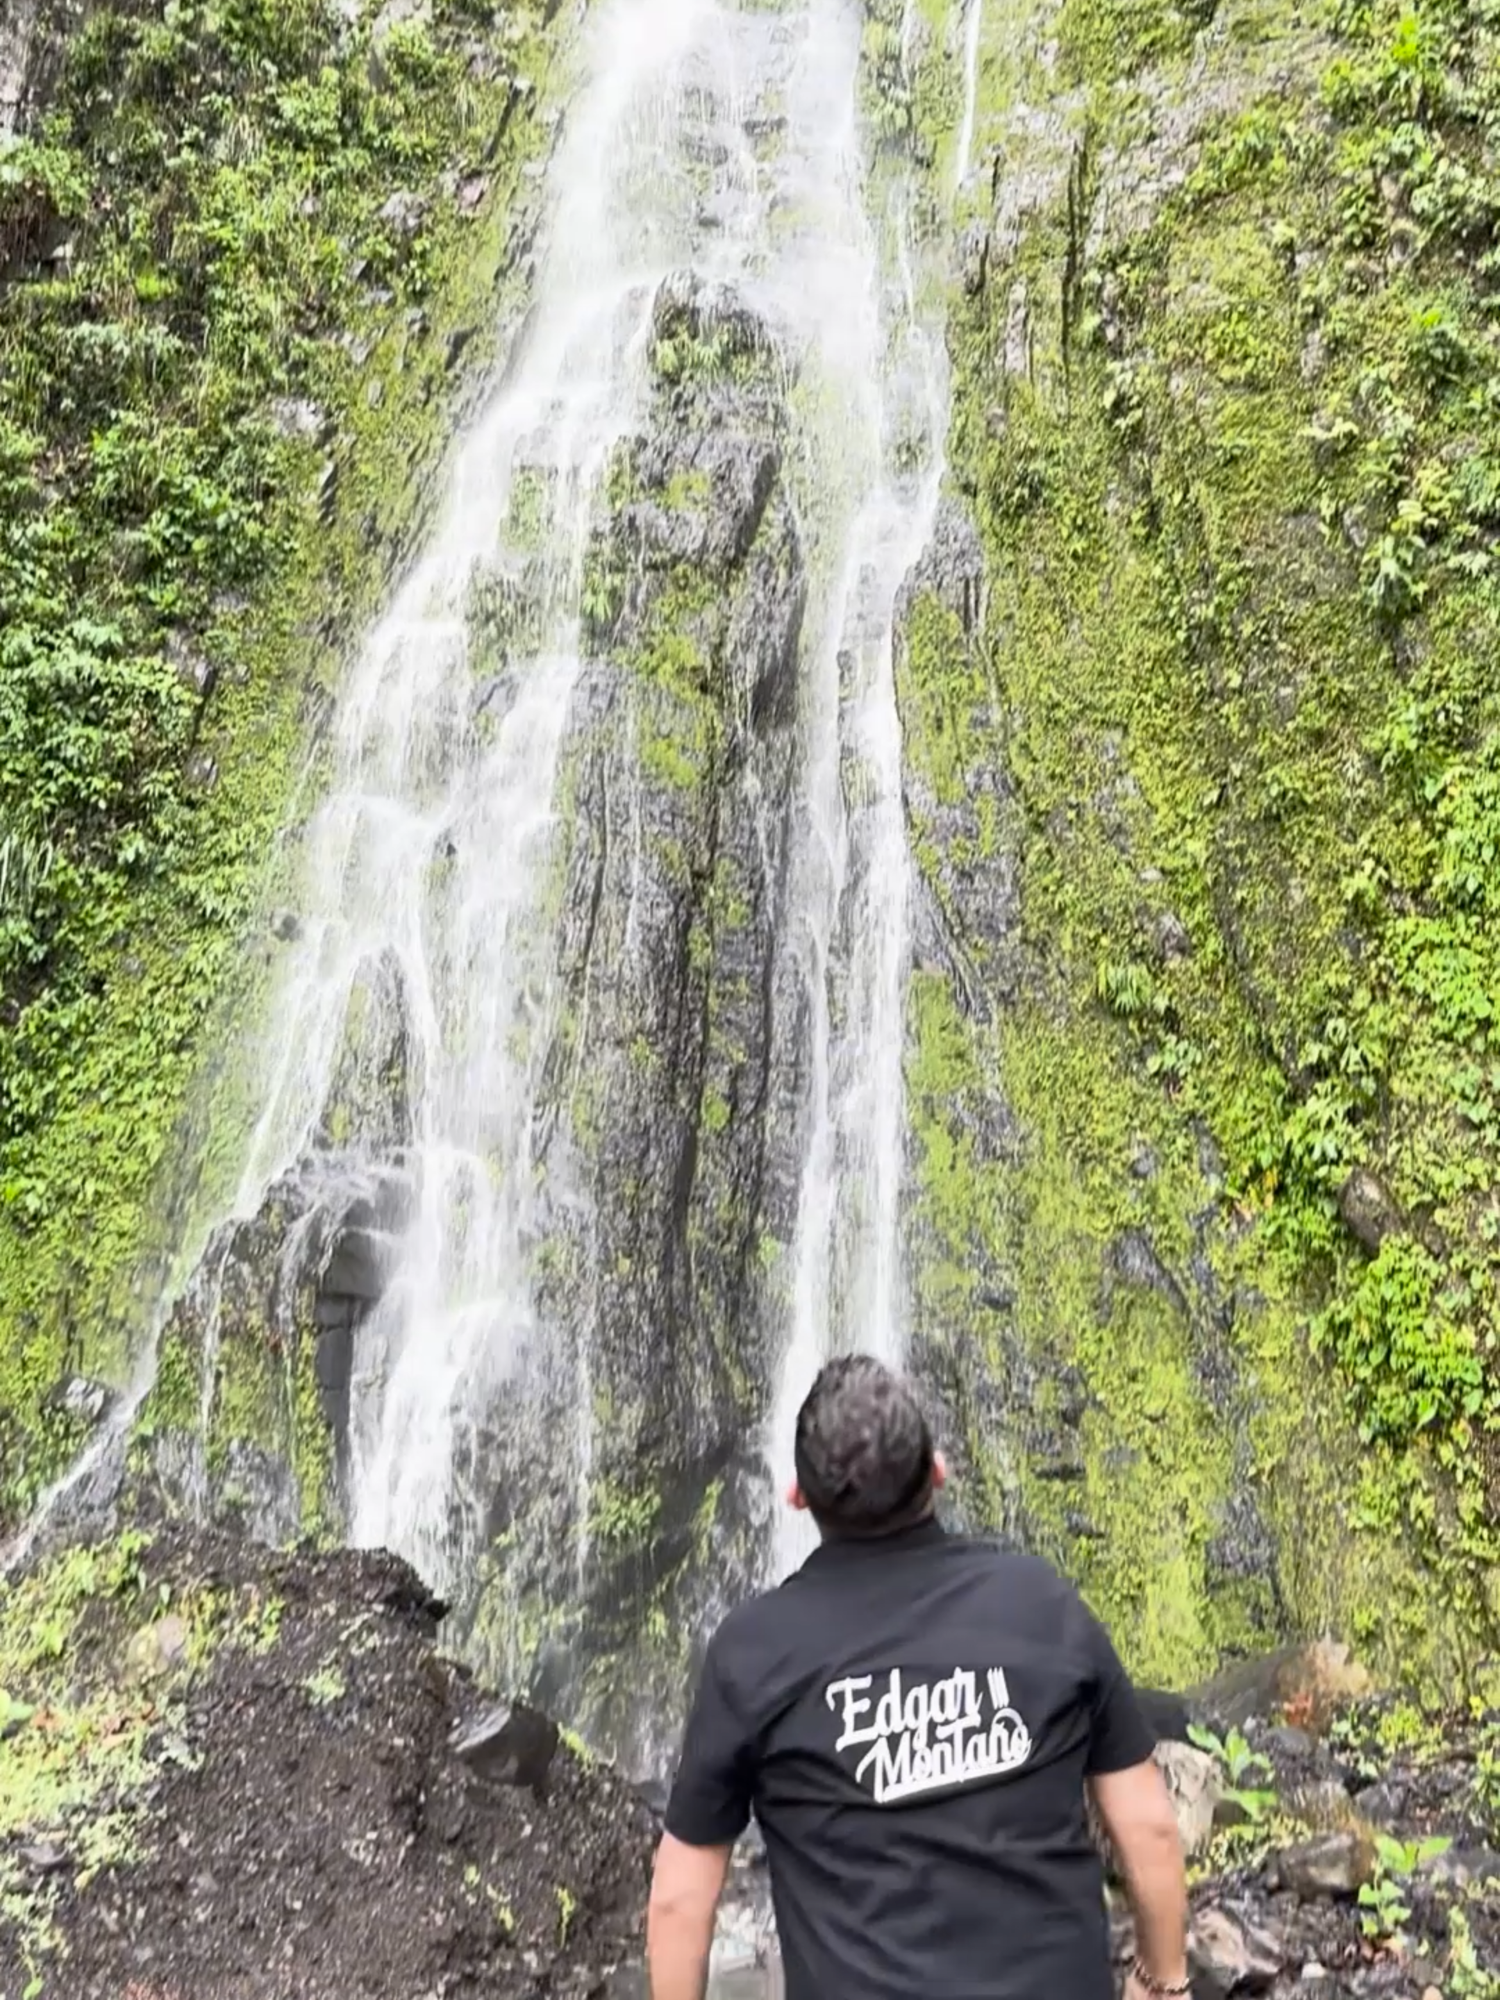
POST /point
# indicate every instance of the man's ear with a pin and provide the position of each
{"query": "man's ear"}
(795, 1497)
(939, 1472)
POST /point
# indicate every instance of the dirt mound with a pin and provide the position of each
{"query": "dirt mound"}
(235, 1774)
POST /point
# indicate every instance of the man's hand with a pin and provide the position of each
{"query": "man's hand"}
(685, 1891)
(1134, 1989)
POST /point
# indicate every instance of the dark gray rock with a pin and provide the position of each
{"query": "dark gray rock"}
(1330, 1864)
(1461, 1868)
(510, 1746)
(45, 1857)
(1368, 1210)
(82, 1399)
(1230, 1953)
(1383, 1803)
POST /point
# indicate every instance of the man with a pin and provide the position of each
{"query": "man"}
(913, 1718)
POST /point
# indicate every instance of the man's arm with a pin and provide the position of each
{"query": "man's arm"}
(685, 1891)
(1136, 1809)
(708, 1811)
(1132, 1800)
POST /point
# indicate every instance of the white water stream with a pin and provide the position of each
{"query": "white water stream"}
(851, 904)
(973, 27)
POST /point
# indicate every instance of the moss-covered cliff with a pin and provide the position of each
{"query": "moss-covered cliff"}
(1207, 1129)
(246, 259)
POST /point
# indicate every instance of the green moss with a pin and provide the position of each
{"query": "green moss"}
(1236, 528)
(221, 411)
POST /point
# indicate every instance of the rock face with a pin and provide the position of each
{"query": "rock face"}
(248, 1419)
(32, 36)
(672, 1098)
(293, 1787)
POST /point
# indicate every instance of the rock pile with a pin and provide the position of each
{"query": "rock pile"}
(1342, 1844)
(232, 1774)
(235, 1774)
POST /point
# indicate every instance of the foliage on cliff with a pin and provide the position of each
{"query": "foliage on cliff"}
(238, 261)
(1226, 400)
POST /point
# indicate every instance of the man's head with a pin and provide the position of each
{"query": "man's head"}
(864, 1456)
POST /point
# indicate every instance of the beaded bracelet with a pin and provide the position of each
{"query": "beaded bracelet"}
(1156, 1986)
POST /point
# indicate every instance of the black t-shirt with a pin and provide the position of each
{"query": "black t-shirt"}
(911, 1721)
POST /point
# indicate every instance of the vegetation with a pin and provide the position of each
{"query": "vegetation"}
(1382, 1899)
(1229, 458)
(231, 293)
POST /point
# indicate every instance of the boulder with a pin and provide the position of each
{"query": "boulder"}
(1330, 1864)
(1230, 1953)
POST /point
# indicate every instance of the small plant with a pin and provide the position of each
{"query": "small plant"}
(1383, 1898)
(327, 1685)
(1467, 1978)
(1240, 1763)
(567, 1909)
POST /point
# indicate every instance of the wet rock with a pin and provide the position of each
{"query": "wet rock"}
(510, 1746)
(370, 1093)
(286, 926)
(1368, 1210)
(1229, 1953)
(1331, 1864)
(253, 1303)
(82, 1399)
(967, 914)
(356, 1269)
(974, 258)
(156, 1650)
(667, 1137)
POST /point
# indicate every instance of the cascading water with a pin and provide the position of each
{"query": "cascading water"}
(724, 139)
(973, 27)
(851, 908)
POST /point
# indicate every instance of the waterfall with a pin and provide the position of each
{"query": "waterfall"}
(404, 1123)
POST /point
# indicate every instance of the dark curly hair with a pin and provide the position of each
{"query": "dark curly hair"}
(864, 1453)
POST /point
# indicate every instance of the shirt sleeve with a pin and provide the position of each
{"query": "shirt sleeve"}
(1119, 1735)
(710, 1801)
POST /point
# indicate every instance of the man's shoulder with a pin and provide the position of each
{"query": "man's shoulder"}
(1020, 1570)
(752, 1621)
